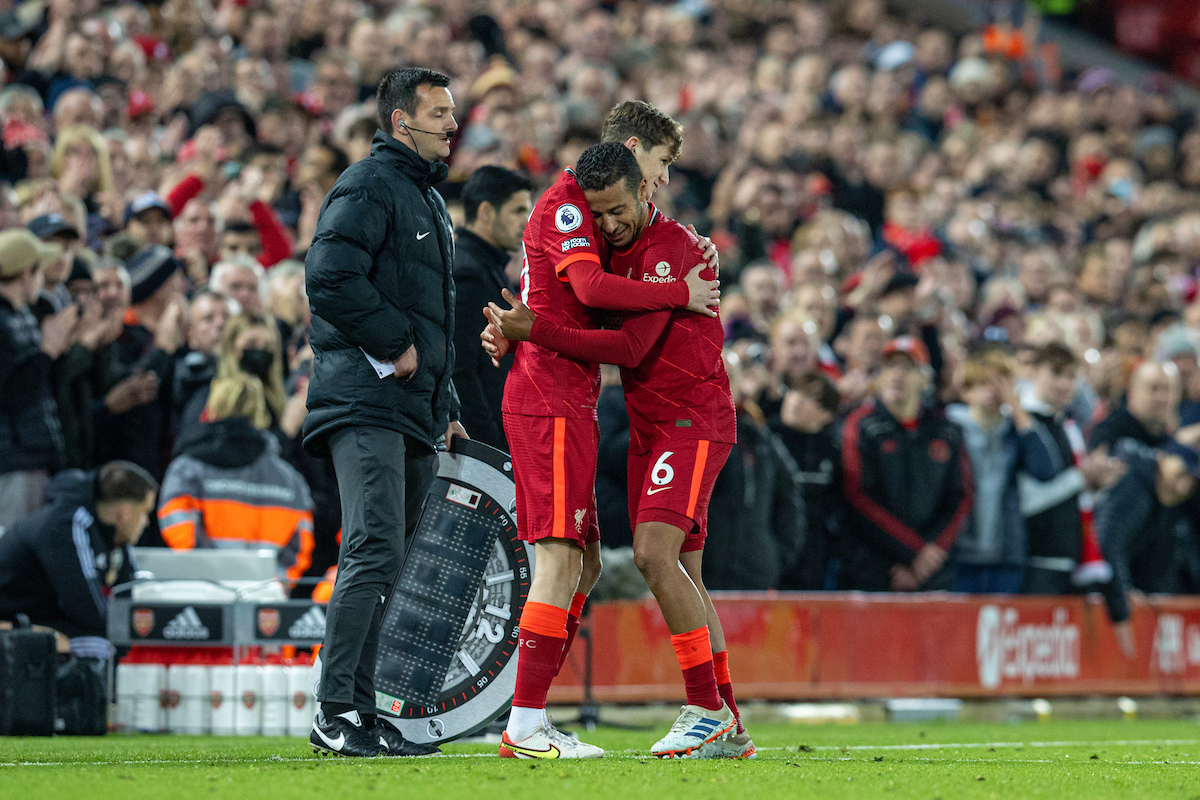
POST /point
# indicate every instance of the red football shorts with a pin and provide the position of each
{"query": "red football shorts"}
(673, 483)
(554, 465)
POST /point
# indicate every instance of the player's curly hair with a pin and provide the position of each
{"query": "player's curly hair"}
(602, 165)
(651, 126)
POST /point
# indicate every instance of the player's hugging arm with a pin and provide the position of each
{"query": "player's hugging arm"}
(596, 288)
(625, 347)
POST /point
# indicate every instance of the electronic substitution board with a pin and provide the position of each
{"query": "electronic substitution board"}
(447, 662)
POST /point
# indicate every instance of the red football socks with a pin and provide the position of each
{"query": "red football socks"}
(695, 659)
(573, 615)
(725, 685)
(543, 632)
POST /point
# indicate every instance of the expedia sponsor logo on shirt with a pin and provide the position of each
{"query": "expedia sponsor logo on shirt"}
(662, 274)
(569, 244)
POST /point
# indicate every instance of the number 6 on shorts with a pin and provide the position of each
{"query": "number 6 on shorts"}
(663, 473)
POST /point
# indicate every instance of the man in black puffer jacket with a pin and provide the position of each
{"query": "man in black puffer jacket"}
(381, 399)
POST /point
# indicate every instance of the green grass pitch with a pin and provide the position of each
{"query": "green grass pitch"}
(1156, 760)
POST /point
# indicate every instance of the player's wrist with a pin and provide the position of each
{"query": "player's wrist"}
(683, 294)
(537, 331)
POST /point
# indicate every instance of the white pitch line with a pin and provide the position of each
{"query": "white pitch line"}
(970, 745)
(642, 755)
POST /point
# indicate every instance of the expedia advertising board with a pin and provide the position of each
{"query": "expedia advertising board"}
(794, 646)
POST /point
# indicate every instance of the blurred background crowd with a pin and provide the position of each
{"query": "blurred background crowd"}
(959, 278)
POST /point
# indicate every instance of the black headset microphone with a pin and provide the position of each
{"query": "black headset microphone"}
(407, 127)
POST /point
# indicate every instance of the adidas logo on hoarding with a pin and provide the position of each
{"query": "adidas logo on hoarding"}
(186, 625)
(309, 626)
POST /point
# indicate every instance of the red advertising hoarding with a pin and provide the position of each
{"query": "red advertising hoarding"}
(831, 646)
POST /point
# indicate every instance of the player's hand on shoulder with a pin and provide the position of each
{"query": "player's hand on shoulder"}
(704, 295)
(708, 249)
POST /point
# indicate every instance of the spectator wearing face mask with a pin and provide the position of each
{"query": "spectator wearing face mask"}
(249, 345)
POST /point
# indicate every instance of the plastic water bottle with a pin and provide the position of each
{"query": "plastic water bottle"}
(222, 699)
(193, 715)
(149, 681)
(302, 706)
(274, 700)
(247, 715)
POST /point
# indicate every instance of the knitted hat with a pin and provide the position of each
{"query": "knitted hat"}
(149, 268)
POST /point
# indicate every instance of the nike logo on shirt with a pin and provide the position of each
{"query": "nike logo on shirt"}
(656, 491)
(421, 236)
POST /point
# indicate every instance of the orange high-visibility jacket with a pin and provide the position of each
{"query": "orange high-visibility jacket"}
(229, 488)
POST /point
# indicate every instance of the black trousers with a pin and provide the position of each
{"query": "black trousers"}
(383, 478)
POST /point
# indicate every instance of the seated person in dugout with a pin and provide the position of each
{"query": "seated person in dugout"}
(58, 565)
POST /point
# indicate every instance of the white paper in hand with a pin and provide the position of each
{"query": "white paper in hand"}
(384, 369)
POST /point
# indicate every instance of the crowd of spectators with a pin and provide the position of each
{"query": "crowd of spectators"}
(959, 278)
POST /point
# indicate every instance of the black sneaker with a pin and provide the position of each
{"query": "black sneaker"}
(397, 745)
(341, 737)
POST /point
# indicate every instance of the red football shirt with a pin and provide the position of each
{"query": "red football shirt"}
(671, 367)
(679, 389)
(561, 273)
(560, 231)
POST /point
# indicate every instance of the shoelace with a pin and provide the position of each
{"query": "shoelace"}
(685, 723)
(558, 737)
